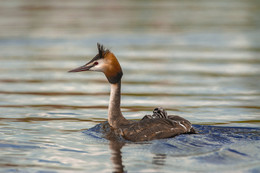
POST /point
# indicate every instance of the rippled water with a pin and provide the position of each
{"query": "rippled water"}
(198, 60)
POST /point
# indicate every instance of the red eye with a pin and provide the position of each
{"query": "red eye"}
(96, 63)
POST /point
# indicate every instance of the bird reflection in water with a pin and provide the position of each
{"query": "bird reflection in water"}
(159, 159)
(117, 159)
(116, 156)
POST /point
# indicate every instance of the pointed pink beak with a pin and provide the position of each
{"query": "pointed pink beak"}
(81, 68)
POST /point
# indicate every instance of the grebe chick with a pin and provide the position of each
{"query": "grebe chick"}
(157, 126)
(157, 113)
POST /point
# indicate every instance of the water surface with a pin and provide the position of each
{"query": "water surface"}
(197, 60)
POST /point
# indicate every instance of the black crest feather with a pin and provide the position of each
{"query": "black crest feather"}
(101, 50)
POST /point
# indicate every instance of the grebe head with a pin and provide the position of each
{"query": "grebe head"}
(106, 62)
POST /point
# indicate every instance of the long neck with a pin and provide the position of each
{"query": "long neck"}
(115, 117)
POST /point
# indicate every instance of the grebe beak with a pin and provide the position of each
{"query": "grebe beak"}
(85, 67)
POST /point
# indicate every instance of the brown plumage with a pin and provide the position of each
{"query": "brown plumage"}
(157, 126)
(150, 129)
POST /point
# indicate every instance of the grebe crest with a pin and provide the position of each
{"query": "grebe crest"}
(156, 126)
(106, 62)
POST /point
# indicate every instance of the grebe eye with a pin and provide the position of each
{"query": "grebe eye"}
(96, 63)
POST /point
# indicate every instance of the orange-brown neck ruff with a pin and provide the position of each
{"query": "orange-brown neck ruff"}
(113, 69)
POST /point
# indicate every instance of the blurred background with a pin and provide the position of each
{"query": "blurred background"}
(198, 59)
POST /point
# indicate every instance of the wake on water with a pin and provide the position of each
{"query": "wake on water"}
(213, 145)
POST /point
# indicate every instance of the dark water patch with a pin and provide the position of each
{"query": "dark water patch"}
(51, 107)
(70, 150)
(254, 121)
(18, 146)
(237, 152)
(204, 58)
(143, 94)
(199, 73)
(35, 119)
(229, 132)
(62, 113)
(36, 167)
(101, 81)
(52, 81)
(49, 161)
(53, 93)
(20, 81)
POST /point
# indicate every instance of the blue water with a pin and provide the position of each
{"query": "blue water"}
(199, 60)
(213, 149)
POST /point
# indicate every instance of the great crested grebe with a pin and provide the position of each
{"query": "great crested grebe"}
(156, 126)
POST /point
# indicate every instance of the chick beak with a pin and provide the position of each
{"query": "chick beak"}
(85, 67)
